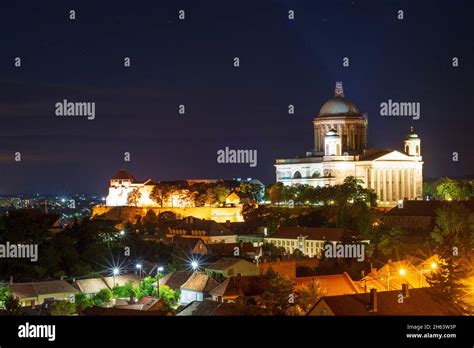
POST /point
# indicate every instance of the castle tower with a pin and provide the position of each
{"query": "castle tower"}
(412, 144)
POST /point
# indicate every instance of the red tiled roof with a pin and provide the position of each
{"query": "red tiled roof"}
(199, 282)
(224, 263)
(421, 301)
(329, 285)
(241, 286)
(175, 280)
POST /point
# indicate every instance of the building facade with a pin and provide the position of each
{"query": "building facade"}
(340, 150)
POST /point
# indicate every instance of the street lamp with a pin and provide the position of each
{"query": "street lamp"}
(194, 265)
(158, 271)
(402, 272)
(115, 272)
(139, 267)
(122, 233)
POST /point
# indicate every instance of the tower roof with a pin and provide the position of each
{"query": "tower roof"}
(339, 104)
(412, 134)
(122, 174)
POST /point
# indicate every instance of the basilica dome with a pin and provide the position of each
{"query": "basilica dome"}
(339, 106)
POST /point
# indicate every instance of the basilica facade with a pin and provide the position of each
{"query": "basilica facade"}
(340, 150)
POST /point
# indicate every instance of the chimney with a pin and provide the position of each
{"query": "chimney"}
(405, 292)
(373, 300)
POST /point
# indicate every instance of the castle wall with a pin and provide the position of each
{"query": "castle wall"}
(128, 213)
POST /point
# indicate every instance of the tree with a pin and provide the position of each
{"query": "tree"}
(62, 308)
(279, 296)
(102, 297)
(12, 305)
(393, 241)
(308, 296)
(160, 193)
(454, 227)
(449, 189)
(5, 293)
(134, 197)
(169, 296)
(82, 303)
(221, 192)
(451, 283)
(276, 193)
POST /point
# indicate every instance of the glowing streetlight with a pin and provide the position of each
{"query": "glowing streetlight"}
(122, 233)
(160, 269)
(434, 265)
(402, 272)
(194, 265)
(115, 272)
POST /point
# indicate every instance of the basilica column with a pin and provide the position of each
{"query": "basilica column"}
(372, 184)
(390, 187)
(384, 185)
(414, 183)
(378, 184)
(397, 192)
(407, 182)
(402, 183)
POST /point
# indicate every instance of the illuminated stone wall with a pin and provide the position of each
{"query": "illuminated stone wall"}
(123, 214)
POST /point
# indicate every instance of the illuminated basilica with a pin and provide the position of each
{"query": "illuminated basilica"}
(340, 150)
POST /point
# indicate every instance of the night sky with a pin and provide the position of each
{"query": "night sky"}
(190, 62)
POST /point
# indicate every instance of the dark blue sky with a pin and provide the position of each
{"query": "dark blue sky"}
(190, 62)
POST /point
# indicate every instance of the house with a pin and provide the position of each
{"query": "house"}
(121, 280)
(207, 230)
(418, 216)
(212, 308)
(188, 245)
(412, 271)
(31, 294)
(197, 288)
(229, 267)
(242, 289)
(90, 286)
(174, 280)
(282, 267)
(241, 249)
(309, 240)
(329, 285)
(423, 301)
